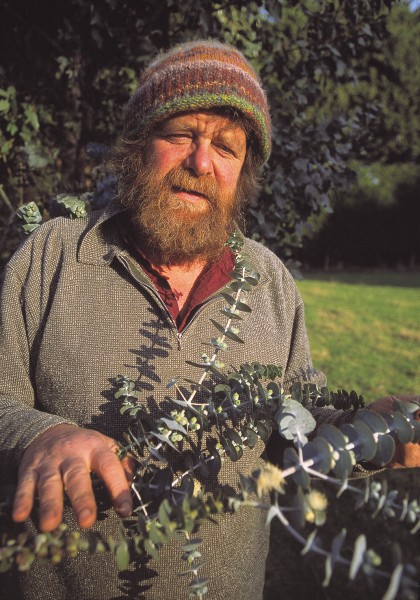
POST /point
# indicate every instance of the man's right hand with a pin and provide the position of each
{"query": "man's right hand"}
(61, 460)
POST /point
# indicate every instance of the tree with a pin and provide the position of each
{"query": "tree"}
(79, 64)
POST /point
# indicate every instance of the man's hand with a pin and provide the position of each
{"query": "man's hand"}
(61, 460)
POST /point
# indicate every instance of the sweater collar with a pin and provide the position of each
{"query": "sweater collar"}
(101, 240)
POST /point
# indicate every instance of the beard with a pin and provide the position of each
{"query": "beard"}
(177, 231)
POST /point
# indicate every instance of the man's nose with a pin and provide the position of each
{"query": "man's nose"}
(198, 160)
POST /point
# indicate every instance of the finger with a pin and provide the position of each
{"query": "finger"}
(128, 463)
(78, 486)
(110, 470)
(24, 497)
(50, 492)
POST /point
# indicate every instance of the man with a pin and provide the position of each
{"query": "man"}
(132, 290)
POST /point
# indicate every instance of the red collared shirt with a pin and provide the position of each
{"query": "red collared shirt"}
(210, 280)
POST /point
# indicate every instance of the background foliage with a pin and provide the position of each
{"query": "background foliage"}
(341, 77)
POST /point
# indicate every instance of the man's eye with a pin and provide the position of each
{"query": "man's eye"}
(226, 149)
(177, 137)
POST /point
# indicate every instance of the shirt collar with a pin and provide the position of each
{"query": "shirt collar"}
(101, 240)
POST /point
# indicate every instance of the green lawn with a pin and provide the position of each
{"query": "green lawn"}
(364, 330)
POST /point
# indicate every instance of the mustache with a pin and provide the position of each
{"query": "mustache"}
(183, 180)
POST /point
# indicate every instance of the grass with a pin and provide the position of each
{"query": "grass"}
(364, 330)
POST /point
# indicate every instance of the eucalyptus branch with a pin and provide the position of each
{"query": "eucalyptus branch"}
(240, 409)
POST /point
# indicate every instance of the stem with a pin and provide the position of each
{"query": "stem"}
(216, 351)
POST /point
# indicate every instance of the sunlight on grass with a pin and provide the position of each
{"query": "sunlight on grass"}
(364, 332)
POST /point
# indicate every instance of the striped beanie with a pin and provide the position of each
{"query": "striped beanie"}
(195, 76)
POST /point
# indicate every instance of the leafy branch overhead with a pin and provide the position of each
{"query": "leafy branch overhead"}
(332, 69)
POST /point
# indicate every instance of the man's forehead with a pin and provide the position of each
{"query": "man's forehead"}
(221, 120)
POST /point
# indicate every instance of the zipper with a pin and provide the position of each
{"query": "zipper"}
(209, 300)
(141, 278)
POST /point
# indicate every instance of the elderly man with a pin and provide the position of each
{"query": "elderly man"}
(132, 290)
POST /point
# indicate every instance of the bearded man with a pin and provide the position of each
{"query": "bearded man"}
(133, 290)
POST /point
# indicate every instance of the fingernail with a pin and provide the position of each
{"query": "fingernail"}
(85, 514)
(124, 509)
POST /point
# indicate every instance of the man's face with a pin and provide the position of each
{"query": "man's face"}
(206, 150)
(185, 191)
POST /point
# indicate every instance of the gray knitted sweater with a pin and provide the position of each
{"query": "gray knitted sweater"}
(76, 312)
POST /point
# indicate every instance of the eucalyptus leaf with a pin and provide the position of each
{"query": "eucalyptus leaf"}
(394, 584)
(165, 439)
(385, 451)
(320, 451)
(405, 431)
(173, 425)
(354, 438)
(243, 307)
(229, 448)
(372, 420)
(229, 299)
(310, 542)
(164, 513)
(251, 437)
(198, 582)
(219, 326)
(234, 436)
(294, 420)
(215, 464)
(360, 547)
(191, 545)
(157, 455)
(231, 315)
(232, 336)
(367, 440)
(336, 546)
(237, 286)
(155, 535)
(150, 548)
(122, 555)
(263, 430)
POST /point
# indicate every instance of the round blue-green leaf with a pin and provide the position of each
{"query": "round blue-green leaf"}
(373, 420)
(344, 465)
(403, 427)
(251, 437)
(349, 431)
(333, 435)
(385, 451)
(366, 439)
(320, 451)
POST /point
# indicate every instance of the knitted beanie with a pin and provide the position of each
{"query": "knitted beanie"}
(195, 76)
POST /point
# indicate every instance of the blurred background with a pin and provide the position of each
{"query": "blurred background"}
(340, 200)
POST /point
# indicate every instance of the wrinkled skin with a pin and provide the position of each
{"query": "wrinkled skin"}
(60, 461)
